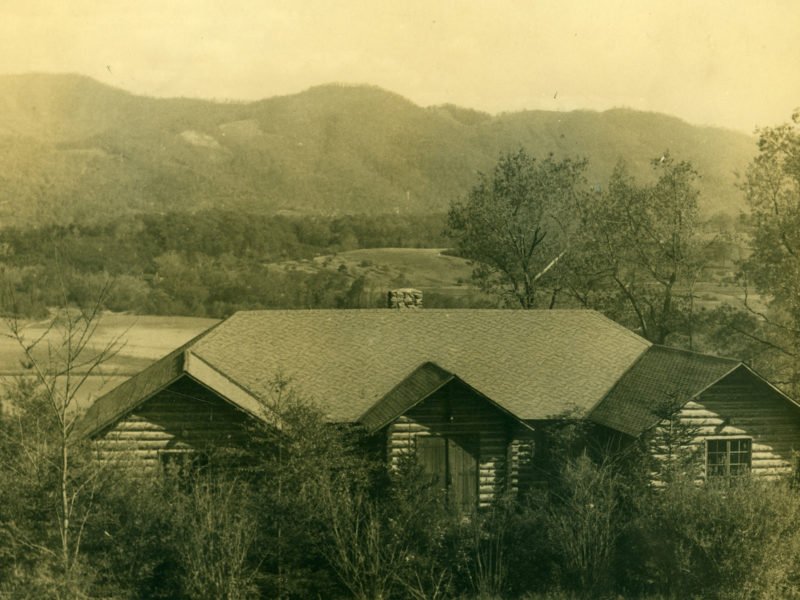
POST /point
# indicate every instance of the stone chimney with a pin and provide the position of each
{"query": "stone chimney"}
(405, 298)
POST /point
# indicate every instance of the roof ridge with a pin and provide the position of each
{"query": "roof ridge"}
(629, 332)
(696, 353)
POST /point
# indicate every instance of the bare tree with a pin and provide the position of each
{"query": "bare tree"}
(59, 358)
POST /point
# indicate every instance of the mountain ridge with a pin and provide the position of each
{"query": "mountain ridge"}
(72, 147)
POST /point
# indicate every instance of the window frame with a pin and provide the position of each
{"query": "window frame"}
(728, 453)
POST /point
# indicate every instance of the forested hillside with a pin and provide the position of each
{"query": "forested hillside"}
(72, 150)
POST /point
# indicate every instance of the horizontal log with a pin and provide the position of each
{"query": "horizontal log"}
(471, 426)
(136, 435)
(767, 463)
(771, 471)
(141, 444)
(730, 431)
(697, 413)
(692, 405)
(137, 425)
(493, 465)
(702, 421)
(770, 456)
(143, 454)
(755, 417)
(192, 437)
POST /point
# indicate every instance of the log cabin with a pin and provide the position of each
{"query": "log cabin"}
(470, 392)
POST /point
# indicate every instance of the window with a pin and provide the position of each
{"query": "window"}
(728, 456)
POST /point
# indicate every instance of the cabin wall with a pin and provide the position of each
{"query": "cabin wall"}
(183, 416)
(522, 456)
(743, 406)
(458, 413)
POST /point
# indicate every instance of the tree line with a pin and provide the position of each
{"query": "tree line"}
(538, 235)
(203, 264)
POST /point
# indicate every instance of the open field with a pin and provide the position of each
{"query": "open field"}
(141, 340)
(385, 268)
(424, 267)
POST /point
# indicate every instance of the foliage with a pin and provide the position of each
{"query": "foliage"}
(515, 223)
(582, 523)
(772, 188)
(640, 252)
(669, 451)
(726, 539)
(217, 538)
(311, 511)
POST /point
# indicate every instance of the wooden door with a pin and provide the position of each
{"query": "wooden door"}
(462, 473)
(452, 465)
(432, 457)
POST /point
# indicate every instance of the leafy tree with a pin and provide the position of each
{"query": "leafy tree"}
(772, 187)
(514, 224)
(640, 251)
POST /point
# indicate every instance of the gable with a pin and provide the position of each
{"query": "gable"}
(419, 385)
(425, 381)
(461, 438)
(130, 394)
(135, 391)
(184, 415)
(742, 407)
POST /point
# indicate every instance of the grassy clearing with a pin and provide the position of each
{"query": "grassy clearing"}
(143, 338)
(385, 268)
(424, 267)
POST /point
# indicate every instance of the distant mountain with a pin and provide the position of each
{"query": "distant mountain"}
(72, 149)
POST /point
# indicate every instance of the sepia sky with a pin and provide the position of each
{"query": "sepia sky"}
(733, 63)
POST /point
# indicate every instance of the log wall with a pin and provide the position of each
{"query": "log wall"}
(185, 416)
(743, 406)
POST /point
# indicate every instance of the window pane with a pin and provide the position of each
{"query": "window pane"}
(717, 445)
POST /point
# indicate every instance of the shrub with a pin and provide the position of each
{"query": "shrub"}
(725, 539)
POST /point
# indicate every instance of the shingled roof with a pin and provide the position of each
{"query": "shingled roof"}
(661, 377)
(534, 364)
